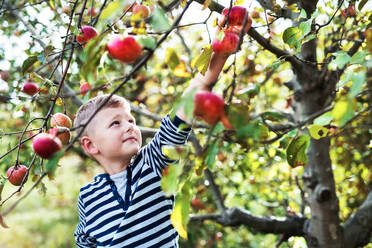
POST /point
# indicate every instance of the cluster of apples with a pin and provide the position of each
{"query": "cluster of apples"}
(45, 145)
(124, 49)
(235, 20)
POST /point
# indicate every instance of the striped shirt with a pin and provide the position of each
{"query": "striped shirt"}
(140, 217)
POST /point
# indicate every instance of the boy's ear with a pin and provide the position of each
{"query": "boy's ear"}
(89, 146)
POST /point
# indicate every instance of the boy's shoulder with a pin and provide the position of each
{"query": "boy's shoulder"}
(99, 182)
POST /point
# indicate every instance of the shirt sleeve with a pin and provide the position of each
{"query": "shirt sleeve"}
(171, 132)
(81, 238)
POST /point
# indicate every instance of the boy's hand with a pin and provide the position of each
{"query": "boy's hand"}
(233, 31)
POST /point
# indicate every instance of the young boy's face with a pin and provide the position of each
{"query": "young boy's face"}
(115, 134)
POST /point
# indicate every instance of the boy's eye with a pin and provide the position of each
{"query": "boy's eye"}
(131, 121)
(115, 123)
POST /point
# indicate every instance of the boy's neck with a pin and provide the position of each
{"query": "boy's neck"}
(114, 167)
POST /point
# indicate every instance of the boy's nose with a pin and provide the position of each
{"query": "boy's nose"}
(128, 126)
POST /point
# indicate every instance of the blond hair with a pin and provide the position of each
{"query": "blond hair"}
(86, 110)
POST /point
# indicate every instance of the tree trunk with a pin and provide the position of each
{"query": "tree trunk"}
(324, 229)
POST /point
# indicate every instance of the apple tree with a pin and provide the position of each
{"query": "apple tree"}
(280, 153)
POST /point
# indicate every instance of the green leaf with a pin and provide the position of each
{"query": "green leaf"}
(305, 27)
(272, 116)
(148, 42)
(274, 66)
(175, 152)
(359, 57)
(302, 14)
(211, 154)
(202, 61)
(169, 180)
(159, 20)
(218, 128)
(318, 131)
(171, 58)
(187, 102)
(91, 55)
(296, 151)
(342, 58)
(290, 35)
(111, 9)
(238, 115)
(52, 162)
(358, 79)
(28, 63)
(324, 119)
(361, 4)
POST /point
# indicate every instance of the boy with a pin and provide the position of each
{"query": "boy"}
(125, 206)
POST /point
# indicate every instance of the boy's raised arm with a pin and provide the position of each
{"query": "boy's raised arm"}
(204, 83)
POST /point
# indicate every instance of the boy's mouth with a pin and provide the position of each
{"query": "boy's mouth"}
(131, 138)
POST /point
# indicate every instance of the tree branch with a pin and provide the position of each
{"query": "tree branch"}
(213, 6)
(358, 228)
(291, 225)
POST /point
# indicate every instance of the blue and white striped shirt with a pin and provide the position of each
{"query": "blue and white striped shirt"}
(141, 217)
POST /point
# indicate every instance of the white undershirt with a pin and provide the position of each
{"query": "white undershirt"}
(120, 180)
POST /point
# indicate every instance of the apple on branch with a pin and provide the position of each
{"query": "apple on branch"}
(126, 50)
(62, 133)
(15, 174)
(45, 145)
(60, 120)
(30, 88)
(84, 88)
(88, 34)
(141, 11)
(209, 107)
(228, 45)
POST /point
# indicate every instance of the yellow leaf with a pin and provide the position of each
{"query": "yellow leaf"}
(293, 7)
(340, 109)
(239, 2)
(183, 3)
(51, 2)
(59, 101)
(206, 4)
(318, 131)
(176, 218)
(202, 62)
(111, 9)
(181, 71)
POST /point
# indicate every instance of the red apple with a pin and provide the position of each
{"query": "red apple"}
(60, 120)
(62, 133)
(88, 34)
(141, 10)
(92, 12)
(129, 8)
(16, 174)
(228, 44)
(4, 75)
(236, 15)
(126, 49)
(45, 145)
(30, 88)
(84, 88)
(197, 204)
(208, 107)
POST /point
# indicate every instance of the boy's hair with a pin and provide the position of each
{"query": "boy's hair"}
(87, 109)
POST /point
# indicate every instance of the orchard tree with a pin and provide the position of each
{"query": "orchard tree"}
(280, 153)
